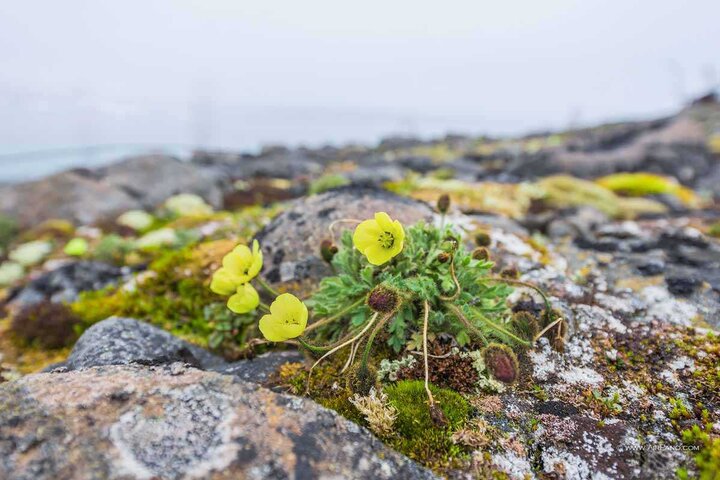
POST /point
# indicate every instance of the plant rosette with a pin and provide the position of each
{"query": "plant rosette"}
(407, 283)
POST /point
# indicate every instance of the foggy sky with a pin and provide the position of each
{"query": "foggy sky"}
(238, 73)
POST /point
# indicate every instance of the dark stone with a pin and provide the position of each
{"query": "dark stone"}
(651, 267)
(557, 408)
(299, 231)
(682, 286)
(259, 369)
(121, 341)
(65, 283)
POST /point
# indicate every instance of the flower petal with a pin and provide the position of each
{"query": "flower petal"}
(224, 283)
(377, 255)
(245, 300)
(271, 329)
(366, 234)
(384, 221)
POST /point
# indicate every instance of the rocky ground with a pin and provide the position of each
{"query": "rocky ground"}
(146, 374)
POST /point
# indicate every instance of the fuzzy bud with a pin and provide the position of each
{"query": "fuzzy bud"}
(482, 239)
(525, 324)
(510, 273)
(437, 416)
(328, 250)
(443, 203)
(481, 253)
(443, 257)
(501, 362)
(382, 299)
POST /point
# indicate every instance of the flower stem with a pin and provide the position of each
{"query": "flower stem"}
(312, 348)
(264, 307)
(546, 300)
(267, 287)
(455, 295)
(325, 321)
(335, 349)
(502, 329)
(426, 315)
(371, 338)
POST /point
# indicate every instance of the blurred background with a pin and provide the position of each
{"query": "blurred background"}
(85, 82)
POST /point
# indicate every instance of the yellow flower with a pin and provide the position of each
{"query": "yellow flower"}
(379, 239)
(239, 267)
(287, 319)
(245, 300)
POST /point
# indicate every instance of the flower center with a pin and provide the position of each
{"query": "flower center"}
(290, 320)
(386, 239)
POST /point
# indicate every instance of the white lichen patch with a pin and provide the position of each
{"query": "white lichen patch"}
(517, 468)
(661, 305)
(581, 375)
(590, 316)
(514, 245)
(543, 360)
(563, 462)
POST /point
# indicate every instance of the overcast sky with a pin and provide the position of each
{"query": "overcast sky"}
(236, 73)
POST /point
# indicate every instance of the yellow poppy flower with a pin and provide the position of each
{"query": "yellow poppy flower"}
(379, 239)
(287, 319)
(245, 300)
(239, 267)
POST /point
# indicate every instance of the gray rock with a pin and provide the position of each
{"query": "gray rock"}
(65, 283)
(151, 179)
(85, 196)
(291, 241)
(259, 369)
(121, 341)
(174, 422)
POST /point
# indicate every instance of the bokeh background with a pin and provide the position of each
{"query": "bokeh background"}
(83, 82)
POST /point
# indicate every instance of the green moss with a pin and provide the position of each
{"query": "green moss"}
(8, 230)
(714, 229)
(327, 182)
(175, 298)
(417, 436)
(707, 459)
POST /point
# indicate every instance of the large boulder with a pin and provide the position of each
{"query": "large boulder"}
(85, 196)
(291, 241)
(121, 341)
(175, 422)
(65, 283)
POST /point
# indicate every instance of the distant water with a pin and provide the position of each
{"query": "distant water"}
(34, 145)
(25, 164)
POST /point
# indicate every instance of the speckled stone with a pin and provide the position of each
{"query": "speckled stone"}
(175, 422)
(291, 242)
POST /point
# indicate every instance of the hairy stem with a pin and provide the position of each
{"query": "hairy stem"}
(371, 338)
(426, 315)
(455, 295)
(545, 330)
(335, 349)
(502, 329)
(332, 318)
(466, 323)
(546, 300)
(267, 287)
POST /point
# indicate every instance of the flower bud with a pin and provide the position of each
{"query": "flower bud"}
(481, 253)
(482, 239)
(382, 299)
(328, 250)
(443, 203)
(510, 273)
(525, 324)
(501, 362)
(443, 257)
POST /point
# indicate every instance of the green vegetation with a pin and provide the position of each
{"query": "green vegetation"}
(418, 435)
